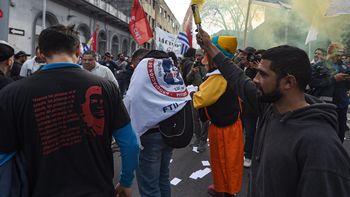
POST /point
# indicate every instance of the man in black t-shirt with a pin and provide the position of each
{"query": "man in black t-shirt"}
(6, 61)
(62, 120)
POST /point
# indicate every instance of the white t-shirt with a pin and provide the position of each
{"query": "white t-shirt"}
(30, 67)
(104, 72)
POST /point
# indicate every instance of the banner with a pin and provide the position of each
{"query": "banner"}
(139, 26)
(167, 42)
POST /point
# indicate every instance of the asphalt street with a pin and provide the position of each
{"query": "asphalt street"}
(185, 162)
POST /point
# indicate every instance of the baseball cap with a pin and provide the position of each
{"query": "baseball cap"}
(20, 54)
(6, 50)
(248, 50)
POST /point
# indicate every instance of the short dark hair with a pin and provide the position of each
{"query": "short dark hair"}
(89, 52)
(290, 60)
(324, 52)
(139, 53)
(6, 51)
(156, 54)
(58, 39)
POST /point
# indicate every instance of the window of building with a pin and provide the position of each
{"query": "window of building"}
(133, 47)
(165, 14)
(115, 46)
(84, 33)
(125, 47)
(38, 26)
(102, 43)
(160, 10)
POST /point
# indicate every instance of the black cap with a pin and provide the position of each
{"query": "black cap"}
(248, 50)
(6, 50)
(21, 53)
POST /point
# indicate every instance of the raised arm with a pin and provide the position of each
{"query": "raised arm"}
(236, 79)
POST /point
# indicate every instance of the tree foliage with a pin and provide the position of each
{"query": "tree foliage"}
(229, 15)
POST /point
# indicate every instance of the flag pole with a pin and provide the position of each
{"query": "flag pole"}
(44, 15)
(246, 24)
(156, 10)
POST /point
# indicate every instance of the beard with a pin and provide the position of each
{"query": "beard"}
(270, 97)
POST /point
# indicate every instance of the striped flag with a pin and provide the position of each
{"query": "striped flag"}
(185, 45)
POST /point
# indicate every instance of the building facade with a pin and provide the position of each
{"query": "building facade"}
(103, 16)
(159, 14)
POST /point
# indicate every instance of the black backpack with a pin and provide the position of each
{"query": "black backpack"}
(177, 130)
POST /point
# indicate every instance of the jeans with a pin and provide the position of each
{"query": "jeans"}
(249, 123)
(153, 171)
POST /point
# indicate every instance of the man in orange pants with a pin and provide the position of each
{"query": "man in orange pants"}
(220, 105)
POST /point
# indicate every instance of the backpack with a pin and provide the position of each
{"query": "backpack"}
(177, 130)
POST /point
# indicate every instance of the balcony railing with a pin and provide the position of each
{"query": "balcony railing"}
(111, 9)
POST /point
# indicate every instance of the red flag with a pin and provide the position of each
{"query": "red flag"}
(139, 26)
(187, 24)
(92, 42)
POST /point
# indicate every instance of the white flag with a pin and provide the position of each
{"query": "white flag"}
(338, 7)
(163, 93)
(312, 35)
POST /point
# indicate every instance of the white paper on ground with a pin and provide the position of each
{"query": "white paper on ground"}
(171, 160)
(175, 181)
(205, 163)
(195, 149)
(204, 172)
(194, 175)
(200, 173)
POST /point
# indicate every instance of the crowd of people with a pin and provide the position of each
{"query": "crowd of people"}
(273, 111)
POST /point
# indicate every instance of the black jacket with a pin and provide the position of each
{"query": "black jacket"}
(324, 86)
(185, 67)
(296, 154)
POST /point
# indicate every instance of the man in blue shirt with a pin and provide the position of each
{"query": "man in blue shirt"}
(61, 122)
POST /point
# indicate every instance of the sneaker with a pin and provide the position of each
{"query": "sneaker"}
(213, 192)
(247, 163)
(202, 147)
